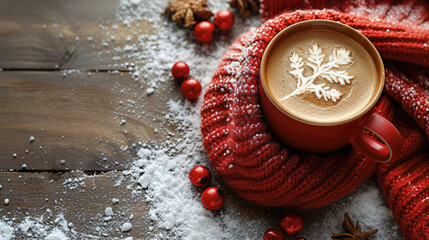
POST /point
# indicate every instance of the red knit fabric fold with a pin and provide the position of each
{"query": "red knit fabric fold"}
(405, 12)
(260, 169)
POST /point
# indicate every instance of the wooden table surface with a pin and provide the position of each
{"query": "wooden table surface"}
(60, 82)
(74, 115)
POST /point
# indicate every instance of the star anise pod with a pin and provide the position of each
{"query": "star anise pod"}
(245, 7)
(188, 12)
(352, 232)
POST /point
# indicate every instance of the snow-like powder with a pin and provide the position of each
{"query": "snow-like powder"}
(161, 170)
(6, 231)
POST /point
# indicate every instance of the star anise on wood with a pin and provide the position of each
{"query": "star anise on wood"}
(245, 7)
(352, 232)
(188, 12)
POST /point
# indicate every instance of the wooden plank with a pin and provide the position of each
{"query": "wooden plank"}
(81, 201)
(54, 35)
(77, 118)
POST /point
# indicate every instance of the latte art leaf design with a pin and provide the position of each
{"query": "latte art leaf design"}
(329, 71)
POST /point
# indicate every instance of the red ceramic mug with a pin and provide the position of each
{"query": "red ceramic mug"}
(320, 135)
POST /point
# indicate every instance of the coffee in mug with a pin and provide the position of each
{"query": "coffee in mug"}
(319, 81)
(321, 76)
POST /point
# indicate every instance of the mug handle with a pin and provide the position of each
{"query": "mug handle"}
(391, 139)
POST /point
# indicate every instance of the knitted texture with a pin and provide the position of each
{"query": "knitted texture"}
(404, 12)
(260, 169)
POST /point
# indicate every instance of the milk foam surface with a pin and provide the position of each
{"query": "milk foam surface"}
(307, 106)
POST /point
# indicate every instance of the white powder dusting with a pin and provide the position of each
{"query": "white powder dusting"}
(46, 226)
(115, 200)
(6, 231)
(365, 204)
(160, 172)
(56, 234)
(126, 227)
(75, 182)
(108, 211)
(36, 228)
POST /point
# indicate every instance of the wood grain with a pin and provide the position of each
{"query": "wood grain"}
(82, 202)
(76, 118)
(54, 35)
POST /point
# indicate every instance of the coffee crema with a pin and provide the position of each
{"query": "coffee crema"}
(321, 76)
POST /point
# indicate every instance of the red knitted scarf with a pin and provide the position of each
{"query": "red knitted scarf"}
(260, 169)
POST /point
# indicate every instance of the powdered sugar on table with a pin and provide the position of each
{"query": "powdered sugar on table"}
(159, 172)
(175, 204)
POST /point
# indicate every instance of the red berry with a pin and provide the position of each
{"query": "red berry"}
(180, 70)
(203, 31)
(200, 176)
(300, 238)
(273, 234)
(213, 198)
(291, 224)
(224, 20)
(191, 88)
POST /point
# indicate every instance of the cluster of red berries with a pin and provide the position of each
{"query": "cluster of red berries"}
(191, 88)
(212, 198)
(223, 20)
(291, 225)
